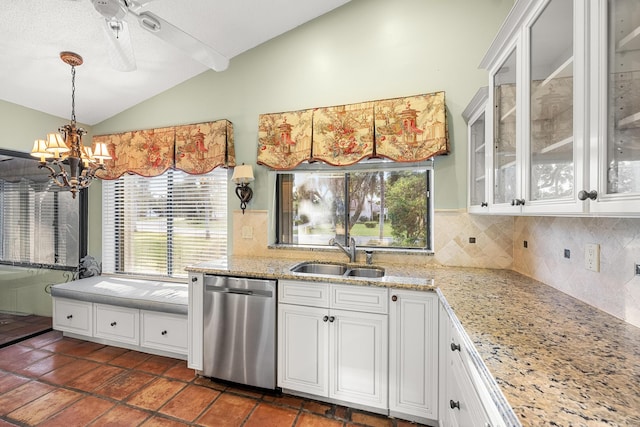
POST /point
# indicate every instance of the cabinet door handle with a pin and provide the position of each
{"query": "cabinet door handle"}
(113, 323)
(163, 333)
(331, 319)
(484, 204)
(394, 298)
(194, 279)
(517, 202)
(455, 347)
(70, 316)
(454, 404)
(325, 318)
(584, 195)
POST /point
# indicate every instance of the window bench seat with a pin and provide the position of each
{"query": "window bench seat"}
(166, 297)
(144, 315)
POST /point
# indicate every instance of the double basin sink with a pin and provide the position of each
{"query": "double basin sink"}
(337, 269)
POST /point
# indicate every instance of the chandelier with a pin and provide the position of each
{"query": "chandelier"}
(71, 165)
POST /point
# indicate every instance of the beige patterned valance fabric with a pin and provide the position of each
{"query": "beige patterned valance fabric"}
(284, 139)
(141, 152)
(195, 149)
(343, 135)
(201, 148)
(411, 129)
(408, 129)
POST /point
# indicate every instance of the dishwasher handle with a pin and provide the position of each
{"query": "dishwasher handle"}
(237, 291)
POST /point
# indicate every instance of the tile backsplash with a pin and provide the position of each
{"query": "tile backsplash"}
(614, 289)
(488, 241)
(493, 236)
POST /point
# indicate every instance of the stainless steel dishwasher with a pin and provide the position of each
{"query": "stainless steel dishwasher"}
(240, 330)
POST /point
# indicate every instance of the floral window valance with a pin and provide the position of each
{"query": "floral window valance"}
(343, 135)
(285, 138)
(408, 129)
(195, 149)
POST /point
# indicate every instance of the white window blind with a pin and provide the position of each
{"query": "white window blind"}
(158, 226)
(38, 224)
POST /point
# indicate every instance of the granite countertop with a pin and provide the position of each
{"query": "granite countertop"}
(270, 268)
(558, 361)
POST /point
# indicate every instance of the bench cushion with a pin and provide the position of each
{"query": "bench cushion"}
(167, 297)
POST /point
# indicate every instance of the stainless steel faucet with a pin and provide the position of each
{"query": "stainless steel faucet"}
(350, 251)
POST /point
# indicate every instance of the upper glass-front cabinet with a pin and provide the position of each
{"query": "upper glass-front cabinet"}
(504, 136)
(534, 123)
(474, 115)
(564, 84)
(551, 87)
(623, 88)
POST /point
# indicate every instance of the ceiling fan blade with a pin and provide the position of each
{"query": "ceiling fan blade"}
(175, 36)
(119, 45)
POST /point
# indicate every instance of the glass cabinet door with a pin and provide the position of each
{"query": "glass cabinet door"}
(623, 133)
(551, 142)
(504, 135)
(477, 161)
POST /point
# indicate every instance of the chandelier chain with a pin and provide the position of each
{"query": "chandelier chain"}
(73, 94)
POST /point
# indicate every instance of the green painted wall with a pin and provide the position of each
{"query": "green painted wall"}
(365, 50)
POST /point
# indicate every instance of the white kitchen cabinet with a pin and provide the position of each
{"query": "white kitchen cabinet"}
(358, 358)
(474, 115)
(164, 331)
(413, 355)
(464, 399)
(117, 323)
(461, 401)
(329, 352)
(615, 107)
(537, 83)
(304, 293)
(460, 404)
(73, 316)
(564, 122)
(303, 345)
(126, 327)
(195, 322)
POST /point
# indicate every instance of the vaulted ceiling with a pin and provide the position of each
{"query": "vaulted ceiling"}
(34, 32)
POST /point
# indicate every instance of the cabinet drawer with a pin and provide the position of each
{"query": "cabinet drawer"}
(72, 316)
(117, 323)
(462, 400)
(458, 347)
(164, 331)
(303, 293)
(359, 298)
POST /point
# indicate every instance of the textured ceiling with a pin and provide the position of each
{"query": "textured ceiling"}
(34, 32)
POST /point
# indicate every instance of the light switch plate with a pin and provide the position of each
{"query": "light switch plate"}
(592, 257)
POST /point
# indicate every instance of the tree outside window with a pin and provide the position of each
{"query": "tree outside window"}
(386, 208)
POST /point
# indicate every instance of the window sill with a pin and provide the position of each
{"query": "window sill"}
(311, 248)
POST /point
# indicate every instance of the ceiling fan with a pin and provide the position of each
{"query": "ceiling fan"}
(119, 38)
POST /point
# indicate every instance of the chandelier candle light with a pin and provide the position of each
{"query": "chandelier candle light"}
(65, 146)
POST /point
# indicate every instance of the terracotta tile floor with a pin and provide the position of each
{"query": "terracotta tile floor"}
(51, 380)
(14, 327)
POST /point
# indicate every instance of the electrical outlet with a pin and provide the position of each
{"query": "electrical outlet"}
(472, 239)
(637, 269)
(592, 257)
(567, 253)
(525, 244)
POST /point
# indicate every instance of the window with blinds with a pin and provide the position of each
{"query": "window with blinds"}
(158, 226)
(38, 224)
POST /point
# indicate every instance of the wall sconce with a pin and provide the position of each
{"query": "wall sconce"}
(242, 176)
